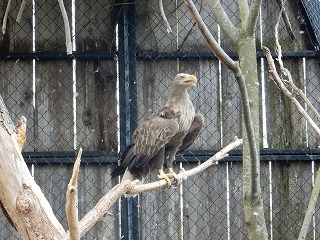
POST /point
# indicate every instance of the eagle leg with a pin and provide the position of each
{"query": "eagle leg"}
(164, 176)
(175, 177)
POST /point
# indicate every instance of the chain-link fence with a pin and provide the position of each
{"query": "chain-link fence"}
(122, 64)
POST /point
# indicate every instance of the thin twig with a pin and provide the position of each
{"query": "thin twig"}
(72, 199)
(66, 27)
(5, 18)
(22, 7)
(282, 86)
(169, 30)
(286, 19)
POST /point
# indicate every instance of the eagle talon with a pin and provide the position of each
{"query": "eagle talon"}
(164, 176)
(174, 176)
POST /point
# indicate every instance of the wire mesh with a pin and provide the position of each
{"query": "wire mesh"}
(76, 101)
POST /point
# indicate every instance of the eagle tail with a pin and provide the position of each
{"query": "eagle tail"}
(128, 176)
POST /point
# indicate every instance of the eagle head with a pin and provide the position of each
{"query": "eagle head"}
(185, 80)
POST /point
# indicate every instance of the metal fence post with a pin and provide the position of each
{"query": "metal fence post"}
(128, 108)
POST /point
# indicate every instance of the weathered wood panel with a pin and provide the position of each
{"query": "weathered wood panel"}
(95, 25)
(18, 36)
(153, 84)
(160, 213)
(97, 105)
(230, 107)
(313, 94)
(237, 222)
(189, 36)
(50, 34)
(152, 32)
(16, 90)
(54, 107)
(269, 13)
(93, 182)
(295, 122)
(291, 185)
(286, 127)
(205, 204)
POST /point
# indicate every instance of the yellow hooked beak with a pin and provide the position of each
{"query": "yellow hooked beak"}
(191, 80)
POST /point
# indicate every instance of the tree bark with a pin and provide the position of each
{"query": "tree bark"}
(253, 204)
(21, 197)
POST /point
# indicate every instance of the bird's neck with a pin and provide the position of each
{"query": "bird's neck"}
(179, 94)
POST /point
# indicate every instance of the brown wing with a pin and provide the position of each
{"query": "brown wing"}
(153, 134)
(192, 134)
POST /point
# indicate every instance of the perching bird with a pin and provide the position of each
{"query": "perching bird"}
(166, 132)
(20, 131)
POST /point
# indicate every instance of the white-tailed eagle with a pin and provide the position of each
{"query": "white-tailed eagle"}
(164, 134)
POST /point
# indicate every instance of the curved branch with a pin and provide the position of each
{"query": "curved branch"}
(212, 43)
(169, 30)
(223, 20)
(66, 27)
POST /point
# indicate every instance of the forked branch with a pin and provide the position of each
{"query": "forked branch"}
(102, 207)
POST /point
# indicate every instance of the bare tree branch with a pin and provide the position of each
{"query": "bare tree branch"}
(223, 20)
(66, 27)
(282, 86)
(105, 203)
(212, 43)
(286, 19)
(5, 18)
(183, 175)
(22, 7)
(169, 30)
(234, 66)
(72, 200)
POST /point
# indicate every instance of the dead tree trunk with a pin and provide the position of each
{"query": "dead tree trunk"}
(20, 197)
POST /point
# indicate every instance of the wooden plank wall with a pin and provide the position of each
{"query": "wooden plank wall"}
(64, 114)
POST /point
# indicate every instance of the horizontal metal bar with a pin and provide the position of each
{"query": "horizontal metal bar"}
(99, 55)
(154, 55)
(151, 55)
(105, 157)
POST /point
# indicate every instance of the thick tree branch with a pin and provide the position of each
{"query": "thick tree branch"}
(72, 200)
(253, 16)
(244, 10)
(234, 66)
(66, 27)
(223, 20)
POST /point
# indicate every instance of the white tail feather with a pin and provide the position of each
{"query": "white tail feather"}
(128, 176)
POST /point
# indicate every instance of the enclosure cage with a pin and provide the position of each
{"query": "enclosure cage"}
(123, 60)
